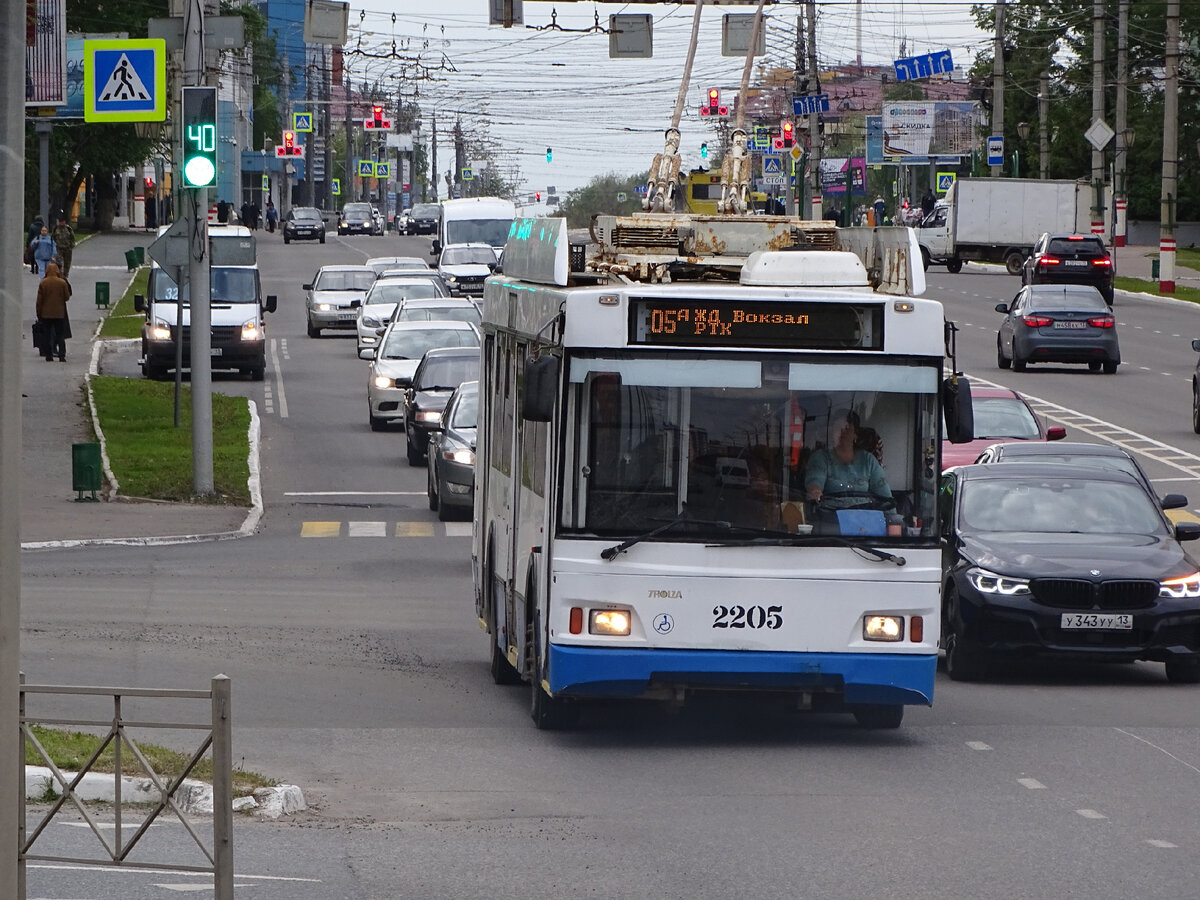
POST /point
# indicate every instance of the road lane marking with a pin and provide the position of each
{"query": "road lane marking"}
(283, 410)
(414, 529)
(1166, 845)
(320, 529)
(1091, 814)
(458, 529)
(367, 529)
(1032, 783)
(1138, 737)
(978, 745)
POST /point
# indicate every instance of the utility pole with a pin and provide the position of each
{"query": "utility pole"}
(816, 138)
(12, 273)
(460, 155)
(1120, 156)
(1043, 125)
(200, 330)
(795, 197)
(1098, 113)
(433, 169)
(348, 182)
(327, 128)
(998, 82)
(1170, 149)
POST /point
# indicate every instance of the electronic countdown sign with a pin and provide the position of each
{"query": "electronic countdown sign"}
(776, 324)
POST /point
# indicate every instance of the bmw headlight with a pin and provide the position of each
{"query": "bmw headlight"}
(161, 330)
(990, 583)
(1184, 587)
(382, 381)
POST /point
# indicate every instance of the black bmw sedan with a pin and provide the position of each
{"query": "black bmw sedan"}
(1064, 560)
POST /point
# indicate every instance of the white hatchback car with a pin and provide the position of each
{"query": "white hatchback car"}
(333, 296)
(396, 359)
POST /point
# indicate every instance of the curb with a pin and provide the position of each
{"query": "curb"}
(194, 797)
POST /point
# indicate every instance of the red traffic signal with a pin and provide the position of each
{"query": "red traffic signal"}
(712, 104)
(288, 146)
(789, 134)
(777, 142)
(537, 195)
(377, 122)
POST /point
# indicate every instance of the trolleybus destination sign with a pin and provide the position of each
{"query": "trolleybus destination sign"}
(761, 323)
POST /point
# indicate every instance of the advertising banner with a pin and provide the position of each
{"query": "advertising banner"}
(929, 129)
(833, 176)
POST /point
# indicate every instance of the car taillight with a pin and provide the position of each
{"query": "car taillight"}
(1102, 322)
(1102, 262)
(1037, 321)
(1049, 261)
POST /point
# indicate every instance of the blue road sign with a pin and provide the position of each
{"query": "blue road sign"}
(383, 170)
(335, 186)
(995, 150)
(806, 106)
(302, 121)
(944, 180)
(772, 164)
(366, 168)
(639, 189)
(125, 80)
(911, 67)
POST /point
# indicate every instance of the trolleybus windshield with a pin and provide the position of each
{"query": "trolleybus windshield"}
(738, 439)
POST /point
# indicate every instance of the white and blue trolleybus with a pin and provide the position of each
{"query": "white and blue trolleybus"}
(703, 466)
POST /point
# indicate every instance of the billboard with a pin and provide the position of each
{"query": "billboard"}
(834, 172)
(45, 52)
(912, 128)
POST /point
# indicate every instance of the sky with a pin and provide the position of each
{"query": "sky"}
(524, 89)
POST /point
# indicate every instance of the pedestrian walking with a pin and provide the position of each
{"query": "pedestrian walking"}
(928, 202)
(64, 240)
(247, 212)
(52, 296)
(272, 215)
(880, 209)
(254, 216)
(35, 228)
(223, 207)
(43, 251)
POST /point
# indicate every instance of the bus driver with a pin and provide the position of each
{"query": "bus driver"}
(845, 475)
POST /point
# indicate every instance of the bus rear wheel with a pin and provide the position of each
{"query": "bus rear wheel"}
(878, 715)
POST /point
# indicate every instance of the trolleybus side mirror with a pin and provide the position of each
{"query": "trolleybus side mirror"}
(541, 386)
(956, 406)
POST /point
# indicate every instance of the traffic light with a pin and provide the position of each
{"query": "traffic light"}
(549, 154)
(377, 122)
(789, 134)
(704, 150)
(537, 196)
(288, 146)
(712, 105)
(199, 137)
(777, 141)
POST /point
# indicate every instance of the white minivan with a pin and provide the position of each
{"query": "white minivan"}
(475, 220)
(238, 326)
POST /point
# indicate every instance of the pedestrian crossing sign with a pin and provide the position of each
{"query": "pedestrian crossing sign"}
(125, 80)
(383, 170)
(336, 186)
(302, 121)
(366, 168)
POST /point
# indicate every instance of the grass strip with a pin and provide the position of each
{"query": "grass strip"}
(1141, 286)
(153, 459)
(122, 320)
(69, 750)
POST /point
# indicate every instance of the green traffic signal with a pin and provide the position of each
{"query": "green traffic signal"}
(549, 154)
(704, 150)
(199, 137)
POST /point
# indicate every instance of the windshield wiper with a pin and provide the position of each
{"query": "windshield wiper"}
(682, 519)
(771, 538)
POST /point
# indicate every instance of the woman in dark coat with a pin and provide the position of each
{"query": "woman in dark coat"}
(52, 296)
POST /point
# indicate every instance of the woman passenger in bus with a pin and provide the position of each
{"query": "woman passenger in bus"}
(846, 475)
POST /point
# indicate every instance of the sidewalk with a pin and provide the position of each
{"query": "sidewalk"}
(56, 415)
(1135, 262)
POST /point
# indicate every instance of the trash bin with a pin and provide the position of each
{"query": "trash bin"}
(131, 262)
(1154, 269)
(85, 470)
(141, 255)
(102, 294)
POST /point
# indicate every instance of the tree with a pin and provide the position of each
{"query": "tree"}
(600, 196)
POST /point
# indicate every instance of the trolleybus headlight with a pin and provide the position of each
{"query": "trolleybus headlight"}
(883, 628)
(609, 621)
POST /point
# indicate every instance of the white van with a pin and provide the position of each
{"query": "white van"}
(238, 328)
(475, 220)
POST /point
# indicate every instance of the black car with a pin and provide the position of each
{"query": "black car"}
(1078, 453)
(304, 223)
(438, 375)
(357, 218)
(1070, 259)
(1058, 323)
(451, 464)
(1068, 561)
(424, 218)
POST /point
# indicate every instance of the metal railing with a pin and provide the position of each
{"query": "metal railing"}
(218, 737)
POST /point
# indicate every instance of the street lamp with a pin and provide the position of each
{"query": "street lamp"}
(1023, 131)
(1120, 203)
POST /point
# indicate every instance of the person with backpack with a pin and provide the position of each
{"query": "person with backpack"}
(42, 251)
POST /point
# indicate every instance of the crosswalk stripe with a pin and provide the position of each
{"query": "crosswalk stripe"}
(414, 529)
(320, 529)
(367, 529)
(458, 529)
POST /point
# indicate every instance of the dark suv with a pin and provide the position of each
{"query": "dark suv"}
(304, 223)
(1070, 259)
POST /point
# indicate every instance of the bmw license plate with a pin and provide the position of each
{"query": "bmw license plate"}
(1070, 325)
(1075, 262)
(1098, 621)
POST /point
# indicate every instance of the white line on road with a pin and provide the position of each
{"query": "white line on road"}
(283, 414)
(140, 871)
(367, 529)
(1166, 845)
(1032, 783)
(978, 745)
(1091, 814)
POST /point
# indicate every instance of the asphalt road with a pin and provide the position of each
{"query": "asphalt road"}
(359, 673)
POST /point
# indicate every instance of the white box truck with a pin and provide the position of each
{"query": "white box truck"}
(475, 220)
(1000, 219)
